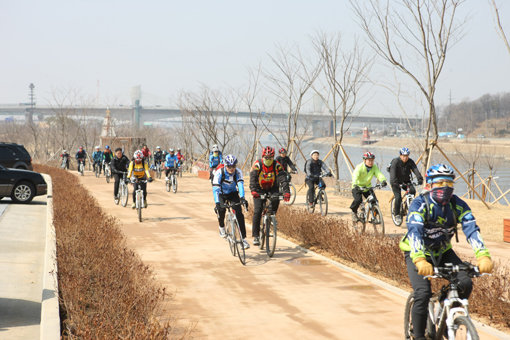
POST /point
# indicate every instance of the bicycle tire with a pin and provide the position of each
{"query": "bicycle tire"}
(323, 202)
(377, 219)
(430, 329)
(393, 216)
(465, 321)
(271, 236)
(230, 235)
(174, 184)
(360, 225)
(238, 239)
(292, 195)
(262, 232)
(139, 208)
(96, 171)
(124, 195)
(107, 175)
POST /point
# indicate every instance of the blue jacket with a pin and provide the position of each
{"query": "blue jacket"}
(215, 161)
(420, 234)
(225, 183)
(97, 156)
(171, 161)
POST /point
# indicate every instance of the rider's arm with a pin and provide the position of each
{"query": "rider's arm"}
(470, 228)
(254, 177)
(146, 168)
(378, 173)
(324, 168)
(356, 174)
(415, 227)
(393, 172)
(240, 183)
(308, 168)
(211, 157)
(282, 178)
(130, 169)
(216, 186)
(414, 168)
(291, 164)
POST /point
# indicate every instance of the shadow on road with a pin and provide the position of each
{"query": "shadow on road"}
(16, 313)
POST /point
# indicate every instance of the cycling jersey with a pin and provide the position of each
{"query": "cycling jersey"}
(400, 172)
(264, 178)
(214, 161)
(362, 176)
(225, 183)
(120, 165)
(180, 157)
(315, 168)
(138, 170)
(97, 156)
(81, 155)
(286, 162)
(439, 227)
(171, 161)
(146, 153)
(158, 156)
(107, 156)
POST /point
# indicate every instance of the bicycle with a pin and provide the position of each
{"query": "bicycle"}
(123, 193)
(97, 169)
(448, 314)
(292, 189)
(369, 211)
(319, 196)
(269, 229)
(158, 169)
(107, 172)
(81, 166)
(139, 201)
(405, 204)
(233, 231)
(63, 165)
(171, 182)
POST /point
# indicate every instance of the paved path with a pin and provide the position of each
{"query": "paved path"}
(22, 242)
(292, 296)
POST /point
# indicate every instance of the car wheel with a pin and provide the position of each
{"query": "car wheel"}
(23, 192)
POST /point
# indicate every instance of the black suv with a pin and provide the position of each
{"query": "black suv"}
(15, 156)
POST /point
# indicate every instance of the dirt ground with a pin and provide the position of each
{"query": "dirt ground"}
(293, 295)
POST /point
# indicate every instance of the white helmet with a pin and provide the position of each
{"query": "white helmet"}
(314, 151)
(215, 148)
(97, 147)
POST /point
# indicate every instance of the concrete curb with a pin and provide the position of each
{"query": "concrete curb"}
(50, 314)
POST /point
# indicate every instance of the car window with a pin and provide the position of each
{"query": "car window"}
(5, 153)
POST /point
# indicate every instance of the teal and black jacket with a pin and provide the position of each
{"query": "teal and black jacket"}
(437, 228)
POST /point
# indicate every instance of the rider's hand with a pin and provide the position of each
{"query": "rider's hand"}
(150, 179)
(384, 183)
(485, 264)
(133, 181)
(423, 266)
(255, 194)
(420, 181)
(244, 202)
(219, 206)
(329, 174)
(286, 197)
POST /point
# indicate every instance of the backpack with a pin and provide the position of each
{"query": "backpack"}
(453, 204)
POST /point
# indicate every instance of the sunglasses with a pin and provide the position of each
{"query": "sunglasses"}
(443, 184)
(231, 166)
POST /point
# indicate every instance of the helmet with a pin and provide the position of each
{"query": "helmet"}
(268, 152)
(138, 155)
(158, 147)
(314, 151)
(282, 150)
(178, 149)
(215, 148)
(64, 151)
(405, 151)
(80, 148)
(171, 150)
(97, 147)
(368, 155)
(230, 160)
(107, 147)
(440, 172)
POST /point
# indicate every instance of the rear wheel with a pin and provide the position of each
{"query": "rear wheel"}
(311, 207)
(238, 241)
(23, 192)
(271, 233)
(230, 235)
(323, 202)
(464, 328)
(376, 219)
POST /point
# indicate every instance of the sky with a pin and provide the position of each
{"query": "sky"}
(102, 48)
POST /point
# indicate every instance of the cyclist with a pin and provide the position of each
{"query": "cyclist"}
(119, 165)
(313, 169)
(97, 157)
(65, 158)
(228, 185)
(138, 169)
(180, 156)
(171, 163)
(146, 153)
(362, 177)
(158, 156)
(215, 159)
(266, 176)
(81, 156)
(286, 162)
(107, 156)
(432, 222)
(400, 173)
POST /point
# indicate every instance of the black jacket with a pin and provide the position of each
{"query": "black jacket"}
(400, 172)
(286, 163)
(314, 169)
(120, 165)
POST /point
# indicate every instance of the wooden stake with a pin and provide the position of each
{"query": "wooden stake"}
(500, 197)
(501, 192)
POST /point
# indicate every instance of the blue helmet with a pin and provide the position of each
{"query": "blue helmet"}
(405, 151)
(230, 160)
(440, 172)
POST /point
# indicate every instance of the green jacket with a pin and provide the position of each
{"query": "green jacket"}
(363, 178)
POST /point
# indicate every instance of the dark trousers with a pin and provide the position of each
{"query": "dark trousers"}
(358, 194)
(144, 188)
(398, 196)
(233, 198)
(257, 214)
(117, 179)
(78, 167)
(97, 163)
(423, 292)
(167, 171)
(311, 182)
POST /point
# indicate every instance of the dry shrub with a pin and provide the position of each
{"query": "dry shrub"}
(381, 255)
(106, 292)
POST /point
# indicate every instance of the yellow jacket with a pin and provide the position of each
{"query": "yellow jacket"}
(139, 170)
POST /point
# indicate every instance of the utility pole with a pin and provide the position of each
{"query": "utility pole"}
(29, 116)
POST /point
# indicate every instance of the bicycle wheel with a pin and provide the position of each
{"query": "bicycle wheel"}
(263, 232)
(430, 329)
(139, 207)
(464, 328)
(174, 184)
(393, 216)
(96, 171)
(376, 219)
(124, 194)
(238, 241)
(230, 235)
(107, 175)
(81, 169)
(271, 234)
(323, 202)
(292, 195)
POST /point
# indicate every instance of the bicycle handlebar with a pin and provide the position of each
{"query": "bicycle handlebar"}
(269, 196)
(377, 186)
(448, 269)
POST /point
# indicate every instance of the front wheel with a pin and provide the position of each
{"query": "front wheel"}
(323, 202)
(229, 229)
(238, 240)
(271, 236)
(263, 232)
(464, 328)
(23, 192)
(174, 184)
(376, 219)
(124, 194)
(139, 203)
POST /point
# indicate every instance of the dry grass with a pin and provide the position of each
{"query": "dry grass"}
(106, 292)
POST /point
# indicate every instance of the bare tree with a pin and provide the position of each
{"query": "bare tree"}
(500, 29)
(344, 74)
(413, 36)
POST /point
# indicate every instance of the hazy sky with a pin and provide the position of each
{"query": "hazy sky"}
(166, 46)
